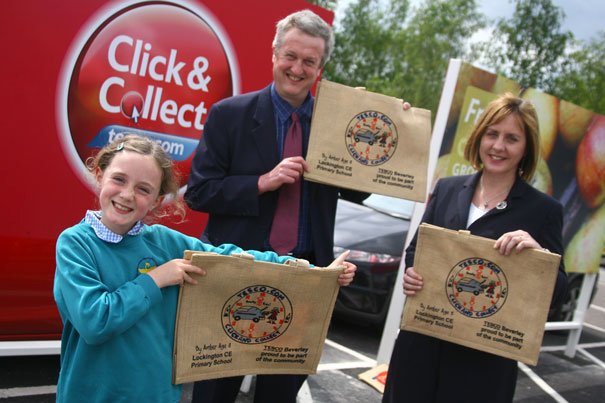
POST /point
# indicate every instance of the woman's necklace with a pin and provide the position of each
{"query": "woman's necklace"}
(487, 201)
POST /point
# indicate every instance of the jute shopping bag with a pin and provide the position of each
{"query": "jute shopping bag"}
(251, 317)
(474, 296)
(365, 141)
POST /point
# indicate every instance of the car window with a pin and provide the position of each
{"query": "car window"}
(390, 205)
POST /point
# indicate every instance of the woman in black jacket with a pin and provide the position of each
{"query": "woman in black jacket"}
(497, 203)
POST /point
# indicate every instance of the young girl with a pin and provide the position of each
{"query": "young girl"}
(116, 276)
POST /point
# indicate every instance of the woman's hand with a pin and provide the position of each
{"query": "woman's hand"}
(175, 272)
(412, 282)
(349, 273)
(517, 240)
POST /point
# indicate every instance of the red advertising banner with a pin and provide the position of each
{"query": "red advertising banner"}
(79, 74)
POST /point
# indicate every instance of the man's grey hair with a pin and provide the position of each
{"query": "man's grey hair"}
(309, 23)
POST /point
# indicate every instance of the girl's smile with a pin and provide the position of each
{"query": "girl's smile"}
(128, 190)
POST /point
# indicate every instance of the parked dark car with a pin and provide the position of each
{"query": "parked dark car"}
(375, 233)
(574, 285)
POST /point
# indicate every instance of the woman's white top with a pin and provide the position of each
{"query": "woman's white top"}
(474, 213)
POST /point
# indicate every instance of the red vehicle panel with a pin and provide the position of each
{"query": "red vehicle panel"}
(73, 73)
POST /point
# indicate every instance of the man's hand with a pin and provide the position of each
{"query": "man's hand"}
(289, 170)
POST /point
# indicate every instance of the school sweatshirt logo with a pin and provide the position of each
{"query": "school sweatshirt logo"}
(371, 138)
(256, 314)
(476, 287)
(149, 68)
(146, 264)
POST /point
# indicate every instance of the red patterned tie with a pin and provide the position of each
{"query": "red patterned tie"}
(284, 232)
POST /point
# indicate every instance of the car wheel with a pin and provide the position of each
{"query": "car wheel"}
(459, 289)
(568, 307)
(236, 317)
(255, 320)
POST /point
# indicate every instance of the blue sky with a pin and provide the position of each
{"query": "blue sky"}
(582, 17)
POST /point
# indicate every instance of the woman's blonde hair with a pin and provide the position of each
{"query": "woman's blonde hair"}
(496, 111)
(169, 187)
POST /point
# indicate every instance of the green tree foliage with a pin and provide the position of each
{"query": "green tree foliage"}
(365, 42)
(438, 31)
(380, 47)
(583, 80)
(391, 48)
(529, 47)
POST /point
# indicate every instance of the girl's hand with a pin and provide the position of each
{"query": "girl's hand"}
(175, 272)
(349, 273)
(518, 240)
(412, 282)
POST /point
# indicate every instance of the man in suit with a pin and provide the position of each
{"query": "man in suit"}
(239, 171)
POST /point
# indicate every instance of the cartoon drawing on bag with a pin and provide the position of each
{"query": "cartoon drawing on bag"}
(256, 314)
(476, 287)
(371, 138)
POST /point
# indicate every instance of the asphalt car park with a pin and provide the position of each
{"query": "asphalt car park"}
(351, 349)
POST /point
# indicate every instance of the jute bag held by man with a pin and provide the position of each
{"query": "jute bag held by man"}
(367, 142)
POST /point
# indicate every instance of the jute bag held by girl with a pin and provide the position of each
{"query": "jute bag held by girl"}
(476, 297)
(251, 317)
(365, 141)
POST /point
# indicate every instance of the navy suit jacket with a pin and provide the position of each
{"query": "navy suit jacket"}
(526, 209)
(240, 144)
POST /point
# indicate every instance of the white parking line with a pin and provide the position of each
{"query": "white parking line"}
(29, 391)
(541, 383)
(596, 360)
(350, 352)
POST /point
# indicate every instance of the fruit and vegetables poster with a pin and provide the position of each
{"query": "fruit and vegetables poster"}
(572, 165)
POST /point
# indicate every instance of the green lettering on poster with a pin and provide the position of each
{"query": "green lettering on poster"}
(475, 101)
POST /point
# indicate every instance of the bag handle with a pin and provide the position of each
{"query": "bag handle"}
(243, 255)
(301, 263)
